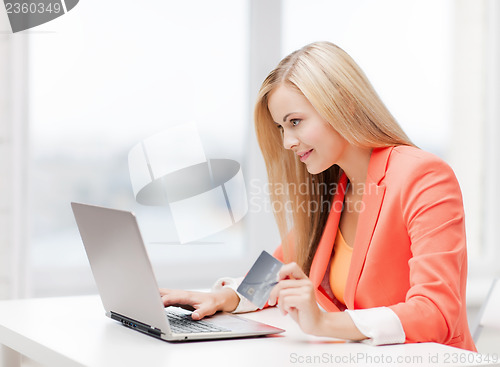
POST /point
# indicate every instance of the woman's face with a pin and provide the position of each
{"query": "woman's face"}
(304, 131)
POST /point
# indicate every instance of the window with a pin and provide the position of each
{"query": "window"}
(103, 78)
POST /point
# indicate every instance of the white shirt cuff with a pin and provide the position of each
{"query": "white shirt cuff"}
(244, 305)
(381, 325)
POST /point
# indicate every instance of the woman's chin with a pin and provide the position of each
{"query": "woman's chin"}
(313, 170)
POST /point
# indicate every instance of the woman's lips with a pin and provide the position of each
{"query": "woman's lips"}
(304, 156)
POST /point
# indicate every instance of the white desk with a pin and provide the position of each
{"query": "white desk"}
(73, 331)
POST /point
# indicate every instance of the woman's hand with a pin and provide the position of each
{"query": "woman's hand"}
(201, 303)
(294, 295)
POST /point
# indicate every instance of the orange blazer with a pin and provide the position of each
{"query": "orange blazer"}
(410, 250)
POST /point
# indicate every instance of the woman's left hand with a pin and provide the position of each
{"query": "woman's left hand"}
(294, 295)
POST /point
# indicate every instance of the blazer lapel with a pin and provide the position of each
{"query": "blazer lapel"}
(372, 199)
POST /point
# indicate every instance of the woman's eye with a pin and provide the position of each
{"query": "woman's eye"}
(295, 122)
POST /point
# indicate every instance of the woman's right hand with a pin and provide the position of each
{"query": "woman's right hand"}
(201, 303)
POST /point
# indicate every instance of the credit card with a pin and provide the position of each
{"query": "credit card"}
(261, 279)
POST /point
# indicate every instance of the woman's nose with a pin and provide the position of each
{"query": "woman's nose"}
(289, 139)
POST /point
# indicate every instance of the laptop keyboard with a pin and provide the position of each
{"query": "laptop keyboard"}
(184, 324)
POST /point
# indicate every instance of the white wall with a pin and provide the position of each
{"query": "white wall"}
(13, 160)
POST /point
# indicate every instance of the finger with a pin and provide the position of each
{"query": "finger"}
(288, 304)
(291, 270)
(167, 301)
(178, 298)
(164, 291)
(285, 284)
(294, 314)
(202, 312)
(184, 306)
(283, 274)
(273, 296)
(293, 298)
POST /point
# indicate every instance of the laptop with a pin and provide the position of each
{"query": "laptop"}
(128, 288)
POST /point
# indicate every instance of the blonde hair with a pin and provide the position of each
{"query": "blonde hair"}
(341, 93)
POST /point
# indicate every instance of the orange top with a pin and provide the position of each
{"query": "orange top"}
(339, 266)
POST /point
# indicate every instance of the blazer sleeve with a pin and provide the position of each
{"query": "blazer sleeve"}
(432, 208)
(278, 253)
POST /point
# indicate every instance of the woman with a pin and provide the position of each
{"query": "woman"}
(380, 231)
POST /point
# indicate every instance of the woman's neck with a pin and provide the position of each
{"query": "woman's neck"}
(355, 165)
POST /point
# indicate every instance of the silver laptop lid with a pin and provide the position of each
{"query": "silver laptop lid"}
(120, 264)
